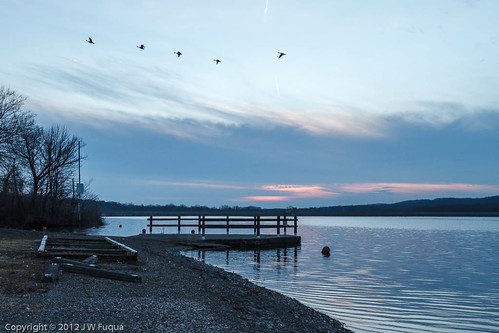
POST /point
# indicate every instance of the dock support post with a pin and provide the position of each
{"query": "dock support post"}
(254, 225)
(295, 225)
(285, 224)
(278, 226)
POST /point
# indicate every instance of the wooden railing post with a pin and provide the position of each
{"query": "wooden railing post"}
(285, 224)
(150, 224)
(204, 227)
(199, 224)
(254, 225)
(295, 225)
(278, 226)
(258, 227)
(227, 225)
(179, 224)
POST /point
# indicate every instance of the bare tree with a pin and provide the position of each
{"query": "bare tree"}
(47, 154)
(13, 122)
(13, 119)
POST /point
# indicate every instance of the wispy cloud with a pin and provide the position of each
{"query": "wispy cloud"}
(194, 184)
(301, 191)
(240, 192)
(414, 188)
(327, 122)
(158, 99)
(293, 192)
(265, 198)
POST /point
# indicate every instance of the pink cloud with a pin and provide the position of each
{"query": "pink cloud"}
(265, 198)
(411, 188)
(301, 191)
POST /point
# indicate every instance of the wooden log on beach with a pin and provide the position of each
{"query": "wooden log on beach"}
(97, 272)
(42, 244)
(93, 259)
(130, 252)
(60, 260)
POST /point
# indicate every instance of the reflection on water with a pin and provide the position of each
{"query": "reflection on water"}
(282, 256)
(384, 279)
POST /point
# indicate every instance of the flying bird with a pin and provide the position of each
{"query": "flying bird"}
(178, 53)
(90, 40)
(281, 54)
(217, 61)
(141, 46)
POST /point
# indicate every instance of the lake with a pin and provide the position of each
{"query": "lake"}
(384, 274)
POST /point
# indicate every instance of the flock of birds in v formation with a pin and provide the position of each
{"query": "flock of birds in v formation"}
(178, 53)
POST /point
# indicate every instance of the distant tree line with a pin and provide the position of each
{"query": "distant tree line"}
(37, 168)
(437, 207)
(488, 206)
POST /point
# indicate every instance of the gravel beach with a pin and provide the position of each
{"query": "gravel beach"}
(177, 294)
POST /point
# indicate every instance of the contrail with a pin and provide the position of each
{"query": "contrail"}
(265, 12)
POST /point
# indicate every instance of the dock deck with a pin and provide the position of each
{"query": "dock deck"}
(235, 241)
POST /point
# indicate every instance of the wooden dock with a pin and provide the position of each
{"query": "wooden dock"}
(80, 247)
(281, 225)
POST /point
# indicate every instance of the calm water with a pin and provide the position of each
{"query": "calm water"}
(384, 274)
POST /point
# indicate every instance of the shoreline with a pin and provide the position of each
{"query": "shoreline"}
(178, 294)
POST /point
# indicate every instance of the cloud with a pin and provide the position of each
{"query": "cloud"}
(160, 100)
(295, 192)
(329, 121)
(301, 191)
(264, 198)
(194, 184)
(414, 188)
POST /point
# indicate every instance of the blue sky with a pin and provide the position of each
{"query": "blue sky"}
(374, 101)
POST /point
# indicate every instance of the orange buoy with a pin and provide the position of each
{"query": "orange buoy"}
(193, 232)
(143, 231)
(326, 251)
(120, 225)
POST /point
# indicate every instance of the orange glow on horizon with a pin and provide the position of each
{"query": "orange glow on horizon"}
(266, 198)
(301, 191)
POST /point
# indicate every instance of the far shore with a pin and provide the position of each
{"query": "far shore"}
(177, 294)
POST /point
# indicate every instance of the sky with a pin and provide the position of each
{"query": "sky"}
(373, 101)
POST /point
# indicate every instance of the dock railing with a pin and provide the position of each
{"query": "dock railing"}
(227, 222)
